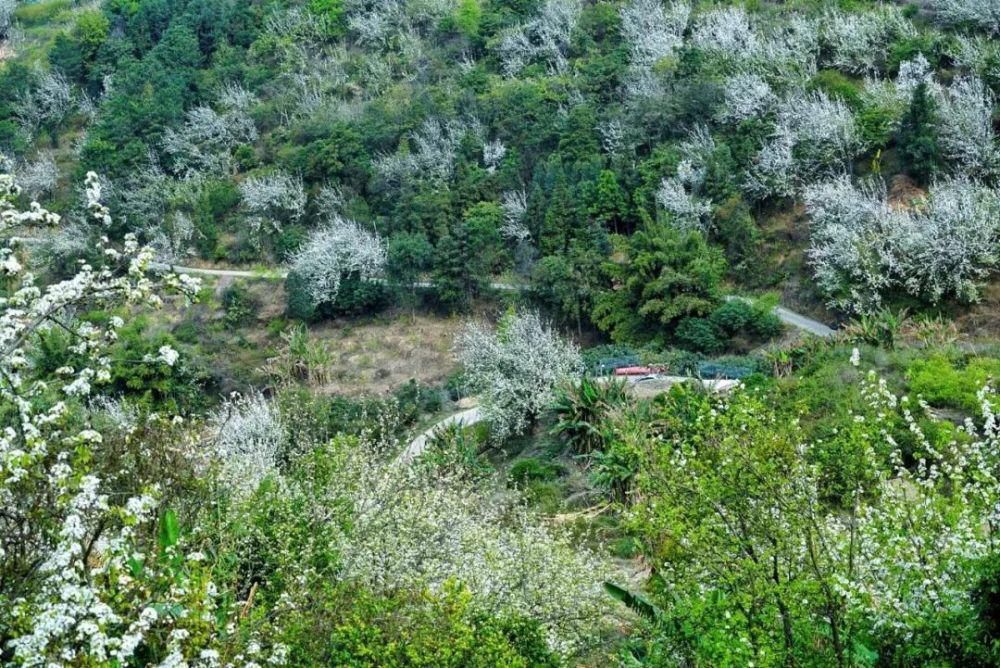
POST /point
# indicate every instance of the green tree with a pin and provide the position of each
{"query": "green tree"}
(467, 17)
(917, 138)
(458, 273)
(658, 277)
(408, 256)
(608, 205)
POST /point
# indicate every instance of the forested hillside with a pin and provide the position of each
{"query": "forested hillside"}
(499, 333)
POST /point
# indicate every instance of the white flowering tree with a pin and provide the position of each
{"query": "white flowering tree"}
(982, 13)
(340, 249)
(761, 558)
(40, 176)
(7, 8)
(726, 33)
(248, 439)
(204, 143)
(966, 127)
(545, 37)
(514, 205)
(433, 154)
(653, 31)
(81, 583)
(515, 369)
(46, 103)
(814, 136)
(747, 95)
(863, 246)
(857, 42)
(272, 199)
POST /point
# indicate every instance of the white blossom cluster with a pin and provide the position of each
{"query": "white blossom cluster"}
(204, 143)
(94, 590)
(412, 527)
(747, 96)
(975, 53)
(7, 8)
(814, 136)
(726, 32)
(982, 13)
(863, 246)
(858, 42)
(515, 369)
(678, 195)
(272, 199)
(514, 205)
(966, 126)
(652, 31)
(47, 102)
(380, 21)
(434, 150)
(917, 538)
(546, 37)
(493, 153)
(900, 556)
(40, 176)
(339, 249)
(249, 437)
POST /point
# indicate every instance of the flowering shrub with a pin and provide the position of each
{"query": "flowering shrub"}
(350, 513)
(814, 136)
(273, 199)
(249, 435)
(545, 37)
(79, 576)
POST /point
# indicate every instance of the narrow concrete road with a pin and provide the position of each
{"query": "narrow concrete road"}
(235, 273)
(788, 317)
(802, 322)
(418, 445)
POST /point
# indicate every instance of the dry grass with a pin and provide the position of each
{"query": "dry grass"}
(379, 356)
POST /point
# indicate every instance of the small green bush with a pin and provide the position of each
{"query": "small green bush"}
(835, 84)
(700, 335)
(531, 469)
(240, 306)
(942, 383)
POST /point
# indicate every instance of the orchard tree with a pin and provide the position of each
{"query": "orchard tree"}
(545, 37)
(515, 369)
(83, 578)
(7, 8)
(272, 200)
(340, 249)
(863, 248)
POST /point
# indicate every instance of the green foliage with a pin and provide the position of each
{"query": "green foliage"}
(240, 306)
(836, 84)
(699, 334)
(581, 410)
(530, 469)
(945, 383)
(660, 277)
(357, 628)
(917, 139)
(468, 16)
